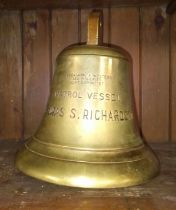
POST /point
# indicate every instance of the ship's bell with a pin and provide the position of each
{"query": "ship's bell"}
(88, 136)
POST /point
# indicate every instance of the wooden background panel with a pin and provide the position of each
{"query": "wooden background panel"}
(64, 30)
(36, 67)
(173, 78)
(155, 73)
(10, 75)
(28, 4)
(125, 33)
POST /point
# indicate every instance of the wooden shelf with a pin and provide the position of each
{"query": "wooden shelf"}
(33, 4)
(18, 191)
(171, 8)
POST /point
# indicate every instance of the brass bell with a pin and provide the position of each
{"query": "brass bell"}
(88, 136)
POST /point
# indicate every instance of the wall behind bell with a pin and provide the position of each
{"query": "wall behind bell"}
(30, 41)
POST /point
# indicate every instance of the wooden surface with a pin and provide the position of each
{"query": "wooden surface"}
(148, 33)
(127, 36)
(155, 74)
(173, 79)
(171, 8)
(36, 65)
(64, 31)
(18, 191)
(10, 75)
(33, 4)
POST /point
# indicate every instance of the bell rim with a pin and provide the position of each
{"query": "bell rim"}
(68, 174)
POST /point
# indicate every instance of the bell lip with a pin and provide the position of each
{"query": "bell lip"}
(108, 50)
(30, 164)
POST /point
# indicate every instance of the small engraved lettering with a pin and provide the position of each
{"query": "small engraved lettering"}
(88, 78)
(95, 96)
(88, 95)
(67, 93)
(97, 115)
(85, 114)
(107, 115)
(103, 115)
(53, 111)
(107, 96)
(113, 97)
(73, 113)
(90, 114)
(101, 96)
(110, 116)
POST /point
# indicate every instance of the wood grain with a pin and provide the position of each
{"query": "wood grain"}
(36, 68)
(173, 78)
(142, 203)
(10, 75)
(171, 8)
(125, 33)
(151, 203)
(155, 73)
(33, 4)
(64, 30)
(74, 203)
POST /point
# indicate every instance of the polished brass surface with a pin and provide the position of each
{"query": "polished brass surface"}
(88, 136)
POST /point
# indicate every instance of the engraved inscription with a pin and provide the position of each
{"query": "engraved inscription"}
(55, 111)
(90, 114)
(68, 93)
(88, 95)
(107, 115)
(73, 113)
(88, 78)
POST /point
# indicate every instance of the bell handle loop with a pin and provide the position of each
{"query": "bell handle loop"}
(95, 28)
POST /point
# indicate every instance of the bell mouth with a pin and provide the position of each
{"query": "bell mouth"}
(89, 175)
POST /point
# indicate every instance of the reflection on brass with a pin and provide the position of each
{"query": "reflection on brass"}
(88, 136)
